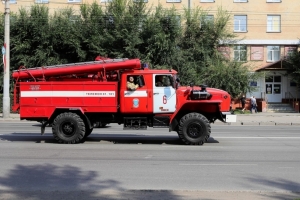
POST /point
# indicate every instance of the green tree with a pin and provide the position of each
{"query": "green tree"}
(31, 39)
(292, 65)
(92, 27)
(161, 32)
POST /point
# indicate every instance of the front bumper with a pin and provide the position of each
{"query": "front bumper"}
(228, 117)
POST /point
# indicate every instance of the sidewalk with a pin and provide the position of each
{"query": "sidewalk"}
(13, 116)
(266, 118)
(292, 119)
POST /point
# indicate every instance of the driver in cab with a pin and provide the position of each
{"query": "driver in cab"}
(131, 85)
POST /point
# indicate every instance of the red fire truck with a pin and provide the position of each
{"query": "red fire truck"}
(73, 98)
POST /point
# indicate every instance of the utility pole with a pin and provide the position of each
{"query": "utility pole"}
(6, 63)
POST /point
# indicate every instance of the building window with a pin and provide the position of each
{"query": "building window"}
(273, 23)
(173, 1)
(240, 53)
(240, 23)
(241, 1)
(136, 1)
(293, 84)
(273, 1)
(41, 1)
(206, 20)
(74, 18)
(105, 1)
(178, 20)
(209, 1)
(273, 53)
(74, 1)
(11, 1)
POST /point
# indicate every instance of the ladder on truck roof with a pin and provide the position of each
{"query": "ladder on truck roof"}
(76, 68)
(73, 64)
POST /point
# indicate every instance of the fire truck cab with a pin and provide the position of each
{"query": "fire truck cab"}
(149, 97)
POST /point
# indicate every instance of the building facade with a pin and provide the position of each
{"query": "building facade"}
(267, 31)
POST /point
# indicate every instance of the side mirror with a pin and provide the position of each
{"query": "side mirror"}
(140, 81)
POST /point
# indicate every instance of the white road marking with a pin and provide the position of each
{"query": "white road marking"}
(149, 156)
(286, 167)
(224, 164)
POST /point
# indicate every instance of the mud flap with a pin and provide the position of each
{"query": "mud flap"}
(43, 127)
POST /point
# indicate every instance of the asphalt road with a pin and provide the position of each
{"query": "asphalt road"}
(238, 162)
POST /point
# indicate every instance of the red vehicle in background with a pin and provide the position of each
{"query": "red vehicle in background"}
(73, 98)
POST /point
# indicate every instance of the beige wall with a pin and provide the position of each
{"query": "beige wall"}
(257, 11)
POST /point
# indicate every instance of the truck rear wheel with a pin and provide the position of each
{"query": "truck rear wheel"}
(194, 129)
(68, 128)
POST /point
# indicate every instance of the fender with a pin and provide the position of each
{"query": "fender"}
(59, 110)
(189, 105)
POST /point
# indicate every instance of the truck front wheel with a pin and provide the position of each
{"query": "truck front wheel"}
(194, 129)
(68, 128)
(88, 132)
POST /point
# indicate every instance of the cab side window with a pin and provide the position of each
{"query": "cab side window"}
(135, 81)
(163, 80)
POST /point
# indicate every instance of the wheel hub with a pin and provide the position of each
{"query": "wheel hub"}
(68, 129)
(194, 130)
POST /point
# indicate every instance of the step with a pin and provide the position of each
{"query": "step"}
(280, 108)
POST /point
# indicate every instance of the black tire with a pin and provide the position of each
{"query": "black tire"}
(194, 129)
(68, 128)
(88, 132)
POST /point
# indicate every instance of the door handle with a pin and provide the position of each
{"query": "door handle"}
(155, 93)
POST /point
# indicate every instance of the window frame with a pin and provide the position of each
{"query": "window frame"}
(173, 1)
(74, 1)
(274, 1)
(240, 25)
(240, 1)
(10, 2)
(207, 1)
(167, 81)
(237, 49)
(270, 27)
(74, 18)
(137, 79)
(272, 51)
(205, 19)
(41, 1)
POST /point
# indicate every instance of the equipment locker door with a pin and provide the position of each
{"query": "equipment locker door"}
(164, 95)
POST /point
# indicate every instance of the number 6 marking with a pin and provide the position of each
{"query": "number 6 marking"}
(164, 99)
